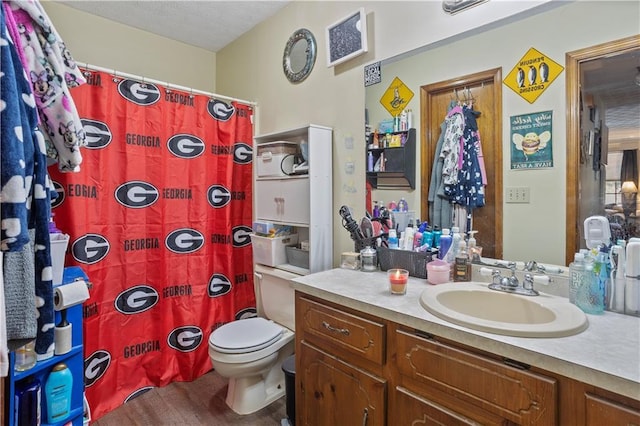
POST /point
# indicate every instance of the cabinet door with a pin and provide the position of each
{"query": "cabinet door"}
(283, 200)
(411, 410)
(336, 393)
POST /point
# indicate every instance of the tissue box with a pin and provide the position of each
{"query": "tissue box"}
(271, 251)
(59, 244)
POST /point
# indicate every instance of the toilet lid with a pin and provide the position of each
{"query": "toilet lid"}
(245, 335)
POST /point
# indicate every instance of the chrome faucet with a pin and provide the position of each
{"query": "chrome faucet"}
(511, 284)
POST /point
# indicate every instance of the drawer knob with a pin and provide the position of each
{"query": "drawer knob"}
(329, 327)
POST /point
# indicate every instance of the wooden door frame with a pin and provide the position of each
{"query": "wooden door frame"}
(572, 72)
(430, 136)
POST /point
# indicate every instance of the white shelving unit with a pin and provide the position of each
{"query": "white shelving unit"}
(302, 201)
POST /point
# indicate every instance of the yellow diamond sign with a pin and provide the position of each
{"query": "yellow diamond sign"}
(396, 97)
(532, 75)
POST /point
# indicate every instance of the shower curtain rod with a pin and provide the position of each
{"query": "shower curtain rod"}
(165, 84)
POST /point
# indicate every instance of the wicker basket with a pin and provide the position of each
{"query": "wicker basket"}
(413, 261)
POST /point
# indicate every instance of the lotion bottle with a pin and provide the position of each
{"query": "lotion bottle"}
(58, 393)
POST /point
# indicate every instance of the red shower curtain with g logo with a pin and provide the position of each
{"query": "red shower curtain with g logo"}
(159, 218)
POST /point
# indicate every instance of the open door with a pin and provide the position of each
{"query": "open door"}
(486, 89)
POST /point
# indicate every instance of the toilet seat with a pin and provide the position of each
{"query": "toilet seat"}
(247, 335)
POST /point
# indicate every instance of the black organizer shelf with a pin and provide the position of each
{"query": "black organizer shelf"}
(400, 163)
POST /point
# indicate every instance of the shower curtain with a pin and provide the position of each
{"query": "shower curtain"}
(159, 218)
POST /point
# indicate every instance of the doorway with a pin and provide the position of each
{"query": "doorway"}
(486, 90)
(574, 214)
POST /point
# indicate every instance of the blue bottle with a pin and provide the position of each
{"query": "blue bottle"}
(57, 391)
(445, 244)
(27, 402)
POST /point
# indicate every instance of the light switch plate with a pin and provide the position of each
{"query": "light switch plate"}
(518, 194)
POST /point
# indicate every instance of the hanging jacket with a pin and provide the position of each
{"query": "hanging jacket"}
(51, 71)
(469, 189)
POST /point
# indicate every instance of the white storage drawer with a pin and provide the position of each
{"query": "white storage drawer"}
(283, 200)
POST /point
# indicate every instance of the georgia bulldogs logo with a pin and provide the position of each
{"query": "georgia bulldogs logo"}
(95, 366)
(219, 110)
(185, 339)
(242, 153)
(136, 194)
(185, 146)
(246, 313)
(136, 299)
(90, 248)
(60, 191)
(241, 236)
(184, 240)
(144, 94)
(136, 393)
(97, 134)
(218, 285)
(218, 196)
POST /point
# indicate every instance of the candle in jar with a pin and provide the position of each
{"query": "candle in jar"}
(398, 280)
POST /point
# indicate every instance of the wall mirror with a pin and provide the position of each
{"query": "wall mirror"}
(299, 55)
(526, 228)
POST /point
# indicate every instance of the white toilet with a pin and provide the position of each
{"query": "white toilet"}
(250, 352)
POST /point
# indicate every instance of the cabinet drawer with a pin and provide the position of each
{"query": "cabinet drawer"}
(601, 411)
(514, 394)
(331, 328)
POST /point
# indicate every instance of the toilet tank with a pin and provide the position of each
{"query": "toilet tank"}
(275, 295)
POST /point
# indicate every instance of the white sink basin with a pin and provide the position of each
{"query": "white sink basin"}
(473, 305)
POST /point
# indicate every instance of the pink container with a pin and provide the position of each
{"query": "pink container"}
(438, 272)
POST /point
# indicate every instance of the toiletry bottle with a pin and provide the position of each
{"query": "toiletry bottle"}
(436, 236)
(58, 393)
(393, 206)
(393, 239)
(445, 244)
(456, 237)
(576, 275)
(370, 162)
(427, 237)
(376, 209)
(27, 397)
(403, 120)
(590, 295)
(617, 259)
(417, 240)
(462, 265)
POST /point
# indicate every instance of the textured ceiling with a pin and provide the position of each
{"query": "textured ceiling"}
(210, 25)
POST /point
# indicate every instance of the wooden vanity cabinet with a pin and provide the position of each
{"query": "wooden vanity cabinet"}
(339, 361)
(353, 368)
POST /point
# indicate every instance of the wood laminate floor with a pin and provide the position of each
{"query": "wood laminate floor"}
(200, 402)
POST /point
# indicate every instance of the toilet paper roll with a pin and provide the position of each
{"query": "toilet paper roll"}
(70, 294)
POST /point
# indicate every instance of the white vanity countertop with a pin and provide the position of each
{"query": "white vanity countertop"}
(606, 354)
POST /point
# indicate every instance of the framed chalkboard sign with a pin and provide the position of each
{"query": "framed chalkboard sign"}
(347, 38)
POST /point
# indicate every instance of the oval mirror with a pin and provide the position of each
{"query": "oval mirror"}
(299, 55)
